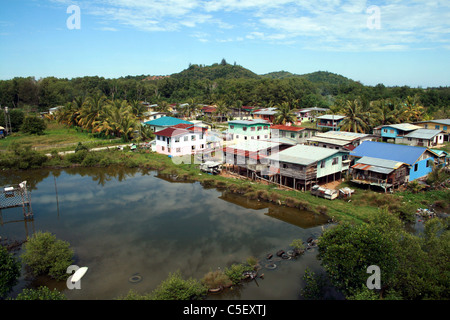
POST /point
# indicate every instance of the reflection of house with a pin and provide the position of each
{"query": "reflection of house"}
(180, 141)
(419, 159)
(342, 140)
(302, 166)
(379, 172)
(296, 134)
(246, 130)
(439, 124)
(164, 122)
(329, 121)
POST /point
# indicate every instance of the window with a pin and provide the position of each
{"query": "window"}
(335, 161)
(245, 137)
(193, 147)
(237, 136)
(252, 128)
(257, 137)
(168, 150)
(444, 128)
(437, 127)
(265, 136)
(416, 166)
(259, 128)
(266, 127)
(292, 135)
(285, 166)
(158, 137)
(178, 150)
(162, 148)
(322, 164)
(186, 138)
(177, 139)
(231, 126)
(244, 128)
(193, 138)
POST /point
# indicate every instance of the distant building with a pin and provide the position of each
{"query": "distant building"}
(423, 138)
(267, 114)
(329, 122)
(153, 115)
(298, 135)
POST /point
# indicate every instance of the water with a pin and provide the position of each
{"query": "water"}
(125, 221)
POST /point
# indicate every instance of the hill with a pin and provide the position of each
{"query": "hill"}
(215, 71)
(326, 77)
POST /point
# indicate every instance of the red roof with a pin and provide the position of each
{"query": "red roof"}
(286, 128)
(171, 132)
(183, 125)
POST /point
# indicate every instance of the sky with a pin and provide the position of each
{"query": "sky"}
(392, 42)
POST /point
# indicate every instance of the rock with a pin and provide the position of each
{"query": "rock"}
(280, 253)
(310, 239)
(269, 256)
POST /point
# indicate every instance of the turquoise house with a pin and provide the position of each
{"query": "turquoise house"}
(396, 131)
(247, 130)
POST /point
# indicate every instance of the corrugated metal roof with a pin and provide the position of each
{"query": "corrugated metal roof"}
(402, 126)
(426, 134)
(331, 117)
(166, 122)
(249, 122)
(342, 135)
(389, 151)
(328, 140)
(380, 162)
(303, 154)
(440, 121)
(254, 145)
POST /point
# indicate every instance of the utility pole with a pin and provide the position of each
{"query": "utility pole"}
(8, 127)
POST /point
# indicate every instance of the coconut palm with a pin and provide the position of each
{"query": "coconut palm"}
(90, 111)
(356, 118)
(284, 114)
(221, 110)
(413, 110)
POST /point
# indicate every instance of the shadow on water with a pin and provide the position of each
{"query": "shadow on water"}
(123, 221)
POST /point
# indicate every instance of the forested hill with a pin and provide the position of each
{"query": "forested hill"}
(315, 77)
(215, 71)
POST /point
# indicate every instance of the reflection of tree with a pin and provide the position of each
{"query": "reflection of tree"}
(32, 177)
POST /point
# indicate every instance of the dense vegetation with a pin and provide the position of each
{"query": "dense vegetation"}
(232, 84)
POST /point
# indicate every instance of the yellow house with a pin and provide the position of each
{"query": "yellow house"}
(439, 124)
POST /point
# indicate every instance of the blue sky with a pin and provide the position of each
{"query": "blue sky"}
(391, 42)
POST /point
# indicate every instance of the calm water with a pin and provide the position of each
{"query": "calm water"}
(121, 222)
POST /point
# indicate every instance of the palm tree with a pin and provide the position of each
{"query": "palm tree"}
(384, 111)
(356, 119)
(221, 110)
(117, 119)
(90, 111)
(284, 114)
(413, 110)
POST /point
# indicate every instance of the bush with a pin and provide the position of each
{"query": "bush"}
(33, 125)
(21, 157)
(41, 293)
(176, 288)
(235, 271)
(44, 254)
(216, 279)
(9, 271)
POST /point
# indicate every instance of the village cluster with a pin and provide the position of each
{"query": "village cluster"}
(304, 157)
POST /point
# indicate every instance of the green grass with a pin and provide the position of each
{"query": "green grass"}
(57, 136)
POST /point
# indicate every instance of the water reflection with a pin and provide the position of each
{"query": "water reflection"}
(124, 221)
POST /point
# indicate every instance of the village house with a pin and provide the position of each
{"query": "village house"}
(267, 114)
(439, 124)
(164, 122)
(248, 158)
(302, 166)
(308, 114)
(383, 173)
(246, 130)
(329, 122)
(152, 115)
(423, 138)
(180, 141)
(297, 135)
(420, 160)
(393, 132)
(342, 140)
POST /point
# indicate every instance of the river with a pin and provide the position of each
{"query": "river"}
(122, 222)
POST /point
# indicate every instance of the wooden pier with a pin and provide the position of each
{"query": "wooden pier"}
(16, 196)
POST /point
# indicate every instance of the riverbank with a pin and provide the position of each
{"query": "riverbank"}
(357, 209)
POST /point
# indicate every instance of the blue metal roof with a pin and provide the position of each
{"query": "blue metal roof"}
(166, 121)
(389, 151)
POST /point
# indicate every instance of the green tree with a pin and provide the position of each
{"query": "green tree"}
(284, 114)
(45, 254)
(355, 118)
(9, 272)
(41, 293)
(348, 250)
